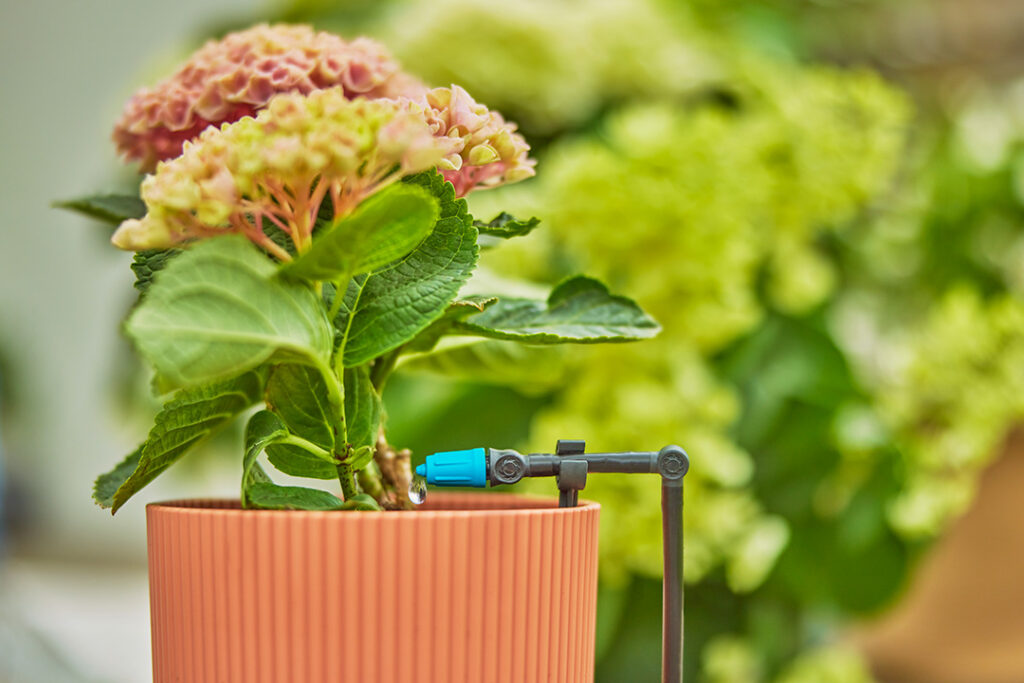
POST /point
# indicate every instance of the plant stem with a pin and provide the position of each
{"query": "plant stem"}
(370, 481)
(335, 389)
(272, 248)
(395, 470)
(339, 354)
(309, 447)
(340, 289)
(348, 483)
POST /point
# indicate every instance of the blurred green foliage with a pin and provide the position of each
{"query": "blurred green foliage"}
(838, 275)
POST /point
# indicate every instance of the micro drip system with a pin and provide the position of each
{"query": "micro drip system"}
(569, 465)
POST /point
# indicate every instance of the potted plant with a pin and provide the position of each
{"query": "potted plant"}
(300, 233)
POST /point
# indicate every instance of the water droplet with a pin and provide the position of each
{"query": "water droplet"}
(418, 489)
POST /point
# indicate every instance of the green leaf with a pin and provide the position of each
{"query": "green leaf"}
(456, 311)
(362, 408)
(386, 308)
(270, 496)
(106, 486)
(148, 263)
(263, 429)
(298, 395)
(108, 208)
(506, 225)
(298, 462)
(191, 416)
(281, 238)
(580, 310)
(383, 228)
(534, 368)
(217, 310)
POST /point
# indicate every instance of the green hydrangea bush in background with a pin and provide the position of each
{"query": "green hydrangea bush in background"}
(830, 279)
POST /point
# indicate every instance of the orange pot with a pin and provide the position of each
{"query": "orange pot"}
(474, 588)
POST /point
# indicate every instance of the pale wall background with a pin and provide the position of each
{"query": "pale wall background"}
(73, 591)
(66, 67)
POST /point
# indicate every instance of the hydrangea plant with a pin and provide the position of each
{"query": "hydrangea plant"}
(302, 232)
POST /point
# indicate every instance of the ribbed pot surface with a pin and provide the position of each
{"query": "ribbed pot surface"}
(470, 588)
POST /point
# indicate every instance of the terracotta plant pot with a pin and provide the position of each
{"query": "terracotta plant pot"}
(474, 588)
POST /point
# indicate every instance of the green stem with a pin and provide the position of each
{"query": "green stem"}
(370, 481)
(348, 482)
(336, 395)
(340, 289)
(309, 447)
(339, 353)
(336, 383)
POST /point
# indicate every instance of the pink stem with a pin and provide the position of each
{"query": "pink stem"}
(281, 196)
(256, 235)
(277, 221)
(317, 199)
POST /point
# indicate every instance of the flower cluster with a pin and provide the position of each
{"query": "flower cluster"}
(947, 436)
(490, 152)
(236, 76)
(547, 63)
(306, 141)
(280, 166)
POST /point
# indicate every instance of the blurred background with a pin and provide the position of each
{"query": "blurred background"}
(822, 201)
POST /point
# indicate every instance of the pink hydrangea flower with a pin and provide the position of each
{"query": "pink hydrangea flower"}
(236, 76)
(278, 167)
(490, 151)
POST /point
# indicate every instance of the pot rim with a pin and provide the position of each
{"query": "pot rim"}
(526, 506)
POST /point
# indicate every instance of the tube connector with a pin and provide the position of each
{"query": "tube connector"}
(672, 465)
(506, 466)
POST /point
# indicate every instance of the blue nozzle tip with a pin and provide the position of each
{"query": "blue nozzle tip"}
(456, 468)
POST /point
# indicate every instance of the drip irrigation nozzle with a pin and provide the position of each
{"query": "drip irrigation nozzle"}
(570, 464)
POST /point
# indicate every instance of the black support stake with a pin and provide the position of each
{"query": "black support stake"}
(672, 465)
(672, 584)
